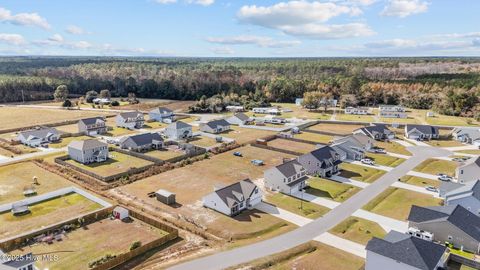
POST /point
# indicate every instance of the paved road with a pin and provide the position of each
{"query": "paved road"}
(317, 227)
(32, 155)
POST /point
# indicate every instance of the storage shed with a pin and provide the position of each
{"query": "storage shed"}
(165, 196)
(120, 213)
(20, 208)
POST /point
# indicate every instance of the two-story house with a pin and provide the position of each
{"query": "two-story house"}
(161, 114)
(88, 151)
(178, 131)
(92, 126)
(130, 120)
(468, 171)
(289, 177)
(323, 161)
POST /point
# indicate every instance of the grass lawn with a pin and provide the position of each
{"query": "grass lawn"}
(330, 189)
(244, 135)
(92, 242)
(72, 128)
(165, 154)
(300, 112)
(154, 125)
(14, 177)
(396, 202)
(446, 120)
(421, 182)
(358, 230)
(385, 160)
(314, 137)
(335, 128)
(436, 166)
(20, 147)
(203, 141)
(360, 173)
(118, 131)
(355, 118)
(408, 120)
(444, 143)
(393, 147)
(117, 163)
(294, 205)
(65, 141)
(292, 146)
(46, 213)
(473, 152)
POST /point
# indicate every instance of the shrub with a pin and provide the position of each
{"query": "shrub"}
(67, 103)
(115, 103)
(135, 245)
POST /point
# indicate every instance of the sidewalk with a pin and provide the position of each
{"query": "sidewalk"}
(282, 214)
(316, 200)
(349, 181)
(402, 142)
(415, 188)
(378, 167)
(398, 155)
(464, 147)
(386, 223)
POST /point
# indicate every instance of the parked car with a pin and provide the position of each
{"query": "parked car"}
(237, 154)
(257, 162)
(431, 188)
(380, 151)
(445, 178)
(457, 159)
(367, 161)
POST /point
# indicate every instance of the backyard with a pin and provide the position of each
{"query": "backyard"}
(358, 230)
(298, 147)
(330, 189)
(65, 141)
(360, 173)
(314, 137)
(165, 154)
(244, 135)
(203, 141)
(436, 166)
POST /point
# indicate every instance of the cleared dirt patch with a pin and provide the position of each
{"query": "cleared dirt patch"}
(335, 128)
(292, 145)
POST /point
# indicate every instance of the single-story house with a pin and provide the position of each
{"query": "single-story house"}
(92, 126)
(467, 135)
(178, 131)
(467, 195)
(357, 110)
(39, 136)
(142, 142)
(468, 171)
(130, 120)
(21, 262)
(120, 213)
(453, 224)
(400, 251)
(239, 119)
(161, 114)
(392, 114)
(323, 161)
(232, 108)
(215, 126)
(262, 110)
(391, 108)
(289, 177)
(424, 132)
(165, 196)
(233, 199)
(88, 151)
(377, 132)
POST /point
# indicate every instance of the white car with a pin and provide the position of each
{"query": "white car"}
(367, 161)
(445, 178)
(380, 151)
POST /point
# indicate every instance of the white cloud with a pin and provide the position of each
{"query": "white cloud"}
(361, 2)
(476, 42)
(261, 41)
(26, 19)
(166, 1)
(223, 50)
(201, 2)
(404, 8)
(12, 39)
(109, 49)
(335, 31)
(75, 30)
(58, 40)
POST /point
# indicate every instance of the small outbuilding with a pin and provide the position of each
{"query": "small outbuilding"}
(20, 208)
(165, 196)
(120, 213)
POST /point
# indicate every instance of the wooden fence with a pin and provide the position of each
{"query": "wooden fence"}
(299, 140)
(276, 149)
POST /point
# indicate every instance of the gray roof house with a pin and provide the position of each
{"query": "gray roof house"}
(22, 262)
(453, 224)
(377, 131)
(289, 177)
(92, 126)
(130, 120)
(142, 142)
(469, 135)
(468, 171)
(39, 136)
(467, 195)
(178, 131)
(421, 132)
(215, 126)
(161, 114)
(239, 119)
(352, 147)
(323, 161)
(399, 251)
(88, 151)
(233, 199)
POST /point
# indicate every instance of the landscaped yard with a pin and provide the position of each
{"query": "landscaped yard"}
(46, 213)
(335, 128)
(116, 163)
(330, 189)
(393, 147)
(292, 145)
(436, 166)
(385, 160)
(360, 173)
(314, 137)
(421, 182)
(396, 202)
(244, 135)
(65, 141)
(444, 143)
(297, 206)
(92, 242)
(358, 230)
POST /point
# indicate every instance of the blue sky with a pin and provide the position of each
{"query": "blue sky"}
(254, 28)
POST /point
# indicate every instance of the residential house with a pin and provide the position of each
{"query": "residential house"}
(467, 135)
(357, 110)
(88, 151)
(265, 110)
(101, 101)
(92, 126)
(378, 132)
(232, 108)
(453, 224)
(352, 147)
(130, 120)
(233, 199)
(142, 142)
(178, 131)
(215, 126)
(161, 114)
(17, 262)
(239, 119)
(392, 111)
(289, 177)
(468, 171)
(467, 195)
(399, 251)
(421, 132)
(39, 136)
(323, 161)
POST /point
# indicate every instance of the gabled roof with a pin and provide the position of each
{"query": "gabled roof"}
(39, 133)
(469, 189)
(178, 125)
(471, 132)
(87, 144)
(241, 116)
(217, 123)
(407, 249)
(161, 110)
(233, 193)
(290, 168)
(143, 139)
(425, 129)
(134, 114)
(323, 153)
(92, 120)
(376, 129)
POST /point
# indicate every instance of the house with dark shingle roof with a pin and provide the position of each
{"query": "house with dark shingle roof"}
(378, 132)
(39, 136)
(161, 114)
(88, 151)
(467, 195)
(424, 132)
(178, 131)
(130, 120)
(92, 126)
(142, 142)
(233, 199)
(399, 251)
(239, 119)
(352, 147)
(453, 224)
(469, 135)
(323, 161)
(215, 126)
(289, 177)
(468, 171)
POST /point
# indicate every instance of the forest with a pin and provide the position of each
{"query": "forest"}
(447, 85)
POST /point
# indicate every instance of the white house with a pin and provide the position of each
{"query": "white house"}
(88, 151)
(357, 110)
(239, 119)
(130, 120)
(469, 135)
(289, 177)
(392, 111)
(120, 213)
(423, 132)
(161, 114)
(17, 262)
(232, 108)
(468, 171)
(272, 110)
(467, 195)
(39, 136)
(215, 126)
(178, 131)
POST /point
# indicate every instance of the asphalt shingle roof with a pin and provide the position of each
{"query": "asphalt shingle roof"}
(425, 129)
(92, 120)
(40, 133)
(178, 125)
(231, 194)
(161, 110)
(242, 116)
(131, 114)
(143, 139)
(87, 144)
(216, 123)
(290, 168)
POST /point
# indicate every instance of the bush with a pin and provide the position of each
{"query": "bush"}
(115, 103)
(135, 245)
(67, 104)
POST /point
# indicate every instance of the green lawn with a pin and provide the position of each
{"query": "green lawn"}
(118, 131)
(65, 141)
(358, 230)
(396, 202)
(393, 147)
(360, 173)
(356, 118)
(419, 181)
(473, 152)
(330, 189)
(314, 137)
(294, 205)
(436, 166)
(385, 160)
(444, 143)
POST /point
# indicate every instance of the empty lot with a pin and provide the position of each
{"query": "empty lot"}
(335, 128)
(244, 135)
(292, 145)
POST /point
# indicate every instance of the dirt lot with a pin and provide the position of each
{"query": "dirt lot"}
(94, 241)
(164, 154)
(335, 128)
(314, 137)
(148, 104)
(243, 135)
(292, 146)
